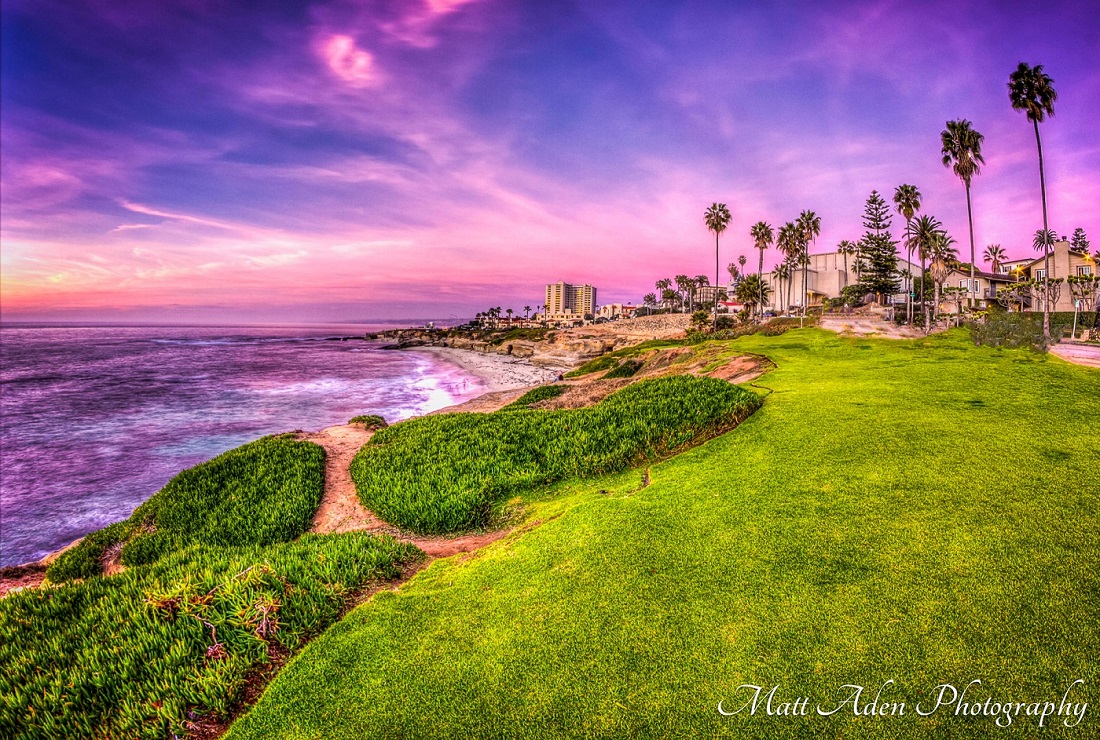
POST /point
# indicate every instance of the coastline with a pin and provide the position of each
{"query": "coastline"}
(498, 375)
(496, 372)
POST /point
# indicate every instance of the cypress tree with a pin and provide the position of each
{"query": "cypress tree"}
(878, 250)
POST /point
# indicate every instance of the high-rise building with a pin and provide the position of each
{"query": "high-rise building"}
(568, 301)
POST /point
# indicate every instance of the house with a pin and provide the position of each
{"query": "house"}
(982, 291)
(826, 277)
(616, 311)
(1064, 263)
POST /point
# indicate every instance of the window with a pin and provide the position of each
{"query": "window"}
(1040, 274)
(962, 284)
(1084, 270)
(1003, 269)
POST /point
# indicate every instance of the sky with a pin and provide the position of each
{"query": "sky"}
(216, 161)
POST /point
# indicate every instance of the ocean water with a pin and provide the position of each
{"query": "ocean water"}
(95, 420)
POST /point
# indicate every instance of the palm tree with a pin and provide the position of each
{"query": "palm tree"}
(526, 313)
(717, 218)
(908, 199)
(663, 286)
(787, 243)
(1044, 240)
(509, 312)
(809, 224)
(941, 249)
(1032, 91)
(762, 237)
(994, 255)
(846, 248)
(699, 281)
(782, 272)
(925, 233)
(752, 291)
(962, 152)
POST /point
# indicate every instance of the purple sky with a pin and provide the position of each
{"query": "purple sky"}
(211, 161)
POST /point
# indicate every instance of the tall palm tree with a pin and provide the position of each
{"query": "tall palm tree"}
(908, 199)
(700, 281)
(809, 226)
(962, 152)
(526, 313)
(762, 237)
(663, 286)
(941, 248)
(782, 273)
(717, 218)
(1032, 91)
(1044, 240)
(925, 232)
(846, 248)
(683, 287)
(994, 255)
(787, 243)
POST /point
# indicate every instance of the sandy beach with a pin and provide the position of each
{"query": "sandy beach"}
(497, 372)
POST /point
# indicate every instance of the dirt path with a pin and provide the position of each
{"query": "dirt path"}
(1080, 354)
(869, 326)
(341, 510)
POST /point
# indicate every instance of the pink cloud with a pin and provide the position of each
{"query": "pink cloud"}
(347, 61)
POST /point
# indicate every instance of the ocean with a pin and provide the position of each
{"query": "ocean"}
(93, 421)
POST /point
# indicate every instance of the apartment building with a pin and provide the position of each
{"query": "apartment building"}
(565, 301)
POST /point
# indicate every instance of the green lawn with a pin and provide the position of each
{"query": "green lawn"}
(922, 511)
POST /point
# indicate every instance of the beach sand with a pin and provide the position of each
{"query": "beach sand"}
(497, 372)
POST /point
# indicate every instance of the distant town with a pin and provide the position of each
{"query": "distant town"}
(830, 281)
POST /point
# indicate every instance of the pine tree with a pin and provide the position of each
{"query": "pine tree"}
(878, 250)
(1079, 242)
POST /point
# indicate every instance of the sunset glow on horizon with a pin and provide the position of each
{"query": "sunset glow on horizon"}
(329, 161)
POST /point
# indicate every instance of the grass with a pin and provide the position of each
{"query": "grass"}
(370, 421)
(146, 652)
(920, 511)
(257, 494)
(612, 359)
(533, 396)
(454, 472)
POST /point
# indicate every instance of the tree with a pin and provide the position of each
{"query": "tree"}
(788, 243)
(684, 286)
(526, 313)
(1085, 289)
(809, 226)
(994, 255)
(907, 199)
(1044, 241)
(753, 291)
(941, 250)
(962, 152)
(846, 248)
(668, 297)
(925, 232)
(782, 273)
(879, 249)
(1032, 91)
(1079, 242)
(649, 300)
(734, 271)
(717, 218)
(663, 286)
(762, 238)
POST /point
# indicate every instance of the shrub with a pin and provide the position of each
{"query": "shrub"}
(83, 560)
(257, 494)
(1016, 330)
(452, 472)
(135, 654)
(533, 396)
(603, 362)
(370, 421)
(625, 370)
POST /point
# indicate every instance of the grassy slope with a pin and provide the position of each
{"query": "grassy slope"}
(924, 512)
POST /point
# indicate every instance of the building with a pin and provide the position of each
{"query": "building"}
(826, 277)
(705, 293)
(1064, 263)
(566, 302)
(616, 311)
